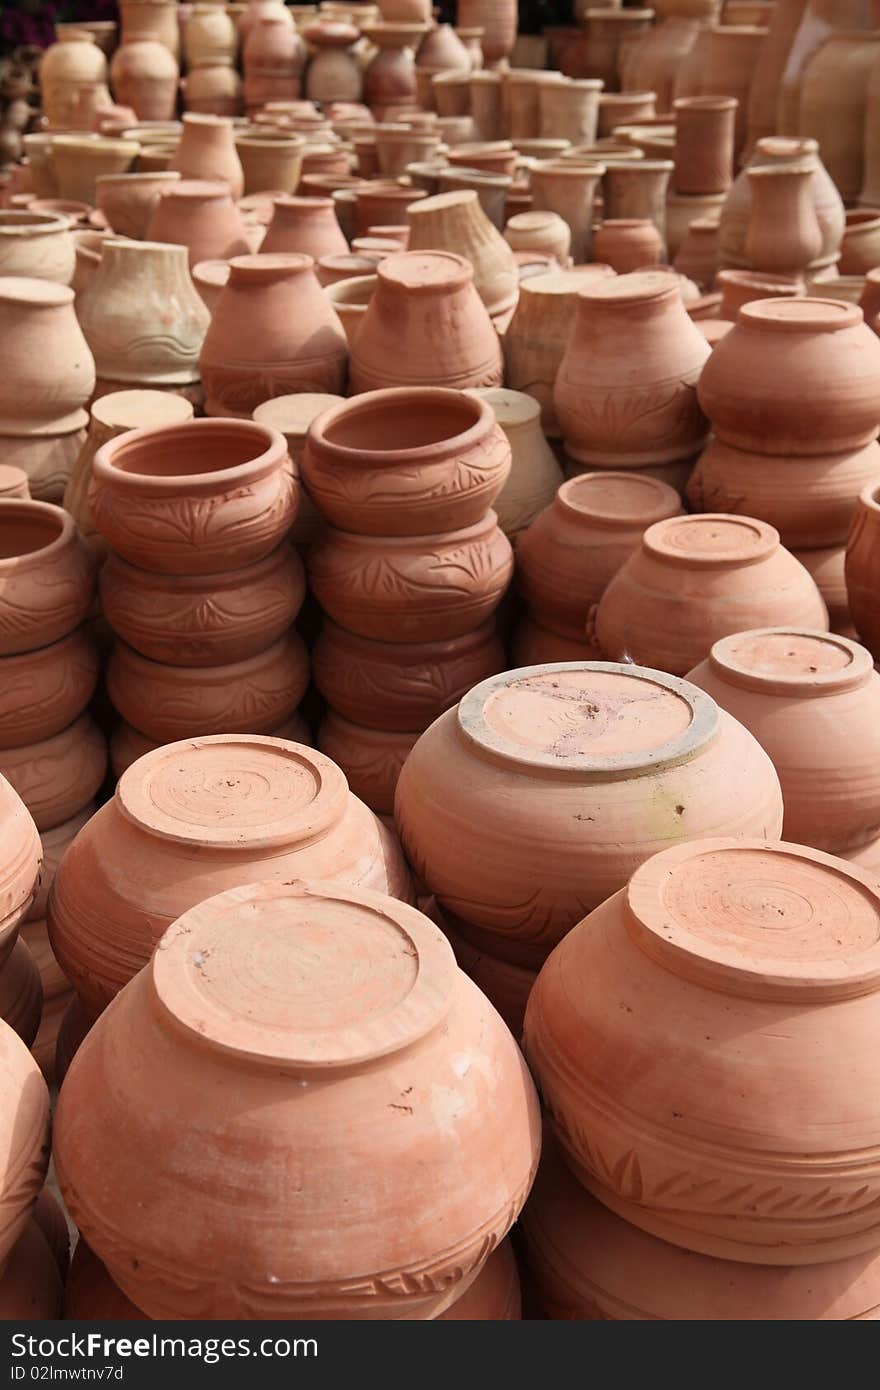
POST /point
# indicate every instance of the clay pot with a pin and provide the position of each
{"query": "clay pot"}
(696, 579)
(860, 250)
(425, 324)
(826, 565)
(192, 833)
(36, 245)
(406, 462)
(569, 110)
(697, 256)
(370, 758)
(833, 101)
(19, 877)
(653, 943)
(869, 302)
(65, 67)
(638, 188)
(79, 160)
(534, 645)
(305, 225)
(497, 19)
(271, 162)
(847, 288)
(401, 685)
(570, 553)
(736, 209)
(569, 190)
(609, 420)
(494, 156)
(538, 333)
(783, 234)
(817, 396)
(30, 1285)
(535, 767)
(610, 33)
(505, 985)
(484, 91)
(390, 76)
(862, 581)
(202, 217)
(455, 222)
(728, 56)
(145, 76)
(207, 151)
(128, 744)
(46, 368)
(58, 776)
(213, 91)
(150, 19)
(210, 37)
(628, 243)
(657, 57)
(381, 201)
(412, 589)
(812, 701)
(543, 232)
(534, 473)
(21, 997)
(142, 317)
(333, 73)
(350, 298)
(273, 58)
(740, 287)
(704, 140)
(476, 1210)
(398, 146)
(210, 279)
(44, 690)
(54, 844)
(272, 332)
(128, 200)
(46, 582)
(195, 498)
(623, 108)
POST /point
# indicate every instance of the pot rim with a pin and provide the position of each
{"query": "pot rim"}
(67, 533)
(408, 399)
(106, 468)
(723, 660)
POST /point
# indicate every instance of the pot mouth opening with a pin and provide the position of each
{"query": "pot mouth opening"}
(29, 223)
(195, 449)
(28, 527)
(399, 423)
(353, 293)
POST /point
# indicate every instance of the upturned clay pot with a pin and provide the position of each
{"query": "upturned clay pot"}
(204, 620)
(740, 287)
(58, 776)
(333, 72)
(534, 471)
(607, 417)
(790, 918)
(65, 67)
(812, 701)
(628, 243)
(406, 461)
(833, 102)
(36, 245)
(213, 91)
(425, 325)
(401, 588)
(827, 202)
(179, 823)
(783, 236)
(704, 139)
(194, 498)
(46, 581)
(79, 160)
(47, 370)
(271, 162)
(142, 317)
(19, 877)
(827, 566)
(380, 201)
(128, 200)
(441, 1016)
(538, 334)
(304, 225)
(539, 767)
(210, 36)
(54, 844)
(370, 758)
(543, 232)
(497, 19)
(273, 57)
(863, 568)
(455, 222)
(569, 190)
(21, 996)
(145, 76)
(201, 216)
(390, 76)
(568, 556)
(44, 690)
(273, 331)
(696, 579)
(795, 376)
(206, 150)
(401, 685)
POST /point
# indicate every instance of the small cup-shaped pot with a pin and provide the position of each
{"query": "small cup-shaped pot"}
(47, 372)
(425, 326)
(304, 225)
(638, 188)
(795, 376)
(543, 232)
(531, 802)
(196, 498)
(740, 287)
(201, 216)
(271, 162)
(702, 934)
(696, 579)
(569, 190)
(456, 222)
(812, 700)
(860, 250)
(382, 200)
(128, 200)
(273, 331)
(25, 1139)
(206, 150)
(570, 110)
(350, 297)
(612, 416)
(627, 244)
(783, 234)
(402, 462)
(144, 75)
(704, 131)
(21, 998)
(534, 471)
(401, 685)
(172, 702)
(863, 568)
(199, 817)
(44, 690)
(200, 620)
(213, 91)
(78, 160)
(370, 758)
(568, 556)
(58, 776)
(37, 245)
(403, 588)
(46, 580)
(20, 871)
(259, 1033)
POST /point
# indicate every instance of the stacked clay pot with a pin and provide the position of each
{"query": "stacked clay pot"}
(862, 569)
(323, 1001)
(531, 802)
(409, 570)
(792, 395)
(200, 585)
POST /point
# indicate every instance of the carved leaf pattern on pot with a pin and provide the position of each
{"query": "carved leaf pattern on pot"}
(55, 778)
(620, 422)
(476, 468)
(239, 390)
(41, 699)
(56, 600)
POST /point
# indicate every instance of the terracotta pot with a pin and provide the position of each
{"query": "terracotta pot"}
(847, 288)
(19, 878)
(207, 151)
(455, 222)
(78, 160)
(210, 279)
(771, 63)
(202, 217)
(657, 57)
(210, 36)
(815, 397)
(569, 190)
(569, 110)
(271, 162)
(350, 298)
(64, 68)
(333, 72)
(370, 758)
(622, 108)
(862, 568)
(783, 235)
(58, 776)
(704, 140)
(610, 32)
(534, 645)
(491, 189)
(809, 499)
(484, 90)
(213, 91)
(827, 202)
(406, 462)
(543, 232)
(534, 473)
(860, 251)
(128, 200)
(398, 146)
(30, 1284)
(628, 243)
(145, 76)
(570, 553)
(425, 324)
(504, 984)
(46, 370)
(637, 188)
(697, 257)
(305, 225)
(272, 332)
(292, 417)
(826, 565)
(498, 21)
(869, 301)
(401, 685)
(46, 581)
(812, 701)
(179, 824)
(740, 287)
(494, 156)
(43, 691)
(869, 196)
(36, 245)
(405, 589)
(128, 744)
(536, 767)
(381, 201)
(652, 942)
(273, 58)
(538, 334)
(21, 997)
(54, 843)
(607, 419)
(699, 578)
(682, 210)
(150, 19)
(833, 101)
(729, 55)
(195, 498)
(390, 76)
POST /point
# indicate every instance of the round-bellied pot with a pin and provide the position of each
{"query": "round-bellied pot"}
(863, 568)
(568, 556)
(702, 1155)
(406, 461)
(46, 580)
(206, 150)
(144, 75)
(695, 579)
(19, 874)
(812, 700)
(527, 805)
(21, 993)
(735, 212)
(191, 819)
(128, 200)
(46, 370)
(195, 498)
(401, 685)
(412, 588)
(172, 702)
(506, 985)
(58, 776)
(627, 244)
(24, 1127)
(304, 225)
(201, 216)
(37, 245)
(54, 843)
(44, 690)
(370, 758)
(534, 470)
(31, 1282)
(292, 416)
